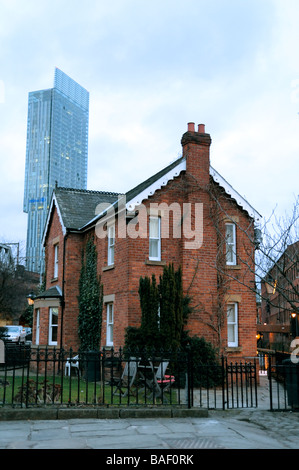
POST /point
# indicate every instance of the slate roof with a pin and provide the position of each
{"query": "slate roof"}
(77, 207)
(52, 293)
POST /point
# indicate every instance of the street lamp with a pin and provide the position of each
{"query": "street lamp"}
(30, 299)
(294, 317)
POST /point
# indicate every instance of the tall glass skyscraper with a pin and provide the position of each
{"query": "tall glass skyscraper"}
(56, 152)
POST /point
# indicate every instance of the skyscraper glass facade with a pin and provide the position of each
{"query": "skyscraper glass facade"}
(56, 152)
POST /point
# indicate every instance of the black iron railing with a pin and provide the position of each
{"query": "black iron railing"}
(49, 376)
(281, 372)
(36, 376)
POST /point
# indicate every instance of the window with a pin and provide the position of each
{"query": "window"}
(230, 238)
(110, 321)
(155, 238)
(56, 253)
(111, 243)
(37, 327)
(232, 325)
(53, 326)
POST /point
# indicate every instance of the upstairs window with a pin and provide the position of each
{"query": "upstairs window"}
(155, 238)
(111, 244)
(230, 241)
(56, 253)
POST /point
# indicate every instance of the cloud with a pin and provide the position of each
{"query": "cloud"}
(150, 68)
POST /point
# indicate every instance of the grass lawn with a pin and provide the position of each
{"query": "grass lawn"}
(75, 391)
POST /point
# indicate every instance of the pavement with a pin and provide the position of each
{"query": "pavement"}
(231, 429)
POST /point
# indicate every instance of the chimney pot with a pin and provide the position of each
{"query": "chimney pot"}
(201, 128)
(191, 127)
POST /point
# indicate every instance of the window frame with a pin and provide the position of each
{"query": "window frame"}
(111, 246)
(110, 324)
(234, 324)
(56, 260)
(232, 244)
(155, 239)
(51, 326)
(37, 328)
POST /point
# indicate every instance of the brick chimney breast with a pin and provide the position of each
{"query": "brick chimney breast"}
(196, 150)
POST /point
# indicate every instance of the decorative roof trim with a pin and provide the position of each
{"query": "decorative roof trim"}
(173, 173)
(234, 194)
(158, 184)
(150, 191)
(53, 201)
(163, 181)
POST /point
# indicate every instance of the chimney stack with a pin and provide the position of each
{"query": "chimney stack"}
(196, 150)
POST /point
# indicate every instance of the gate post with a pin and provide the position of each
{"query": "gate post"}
(189, 379)
(223, 383)
(255, 383)
(2, 352)
(270, 382)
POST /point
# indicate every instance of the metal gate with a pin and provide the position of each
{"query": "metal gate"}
(282, 379)
(241, 385)
(236, 386)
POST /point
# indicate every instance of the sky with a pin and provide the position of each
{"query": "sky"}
(150, 68)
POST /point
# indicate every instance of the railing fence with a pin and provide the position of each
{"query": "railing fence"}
(282, 373)
(32, 377)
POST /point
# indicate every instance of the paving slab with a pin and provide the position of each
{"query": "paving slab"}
(240, 429)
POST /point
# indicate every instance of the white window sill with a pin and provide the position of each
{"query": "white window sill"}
(155, 262)
(107, 268)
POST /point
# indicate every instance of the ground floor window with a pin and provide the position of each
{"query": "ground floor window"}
(53, 326)
(110, 322)
(37, 326)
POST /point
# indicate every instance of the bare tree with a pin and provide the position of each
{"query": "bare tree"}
(278, 260)
(275, 260)
(15, 285)
(269, 260)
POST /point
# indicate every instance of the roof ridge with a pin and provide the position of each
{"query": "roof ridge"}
(87, 191)
(156, 176)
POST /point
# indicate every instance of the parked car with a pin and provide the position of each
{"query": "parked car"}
(13, 334)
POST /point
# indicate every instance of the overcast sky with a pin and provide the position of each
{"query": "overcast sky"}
(150, 68)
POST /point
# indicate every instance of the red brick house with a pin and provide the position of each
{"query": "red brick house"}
(186, 214)
(279, 324)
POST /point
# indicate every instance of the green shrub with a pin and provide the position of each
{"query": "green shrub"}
(90, 300)
(205, 362)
